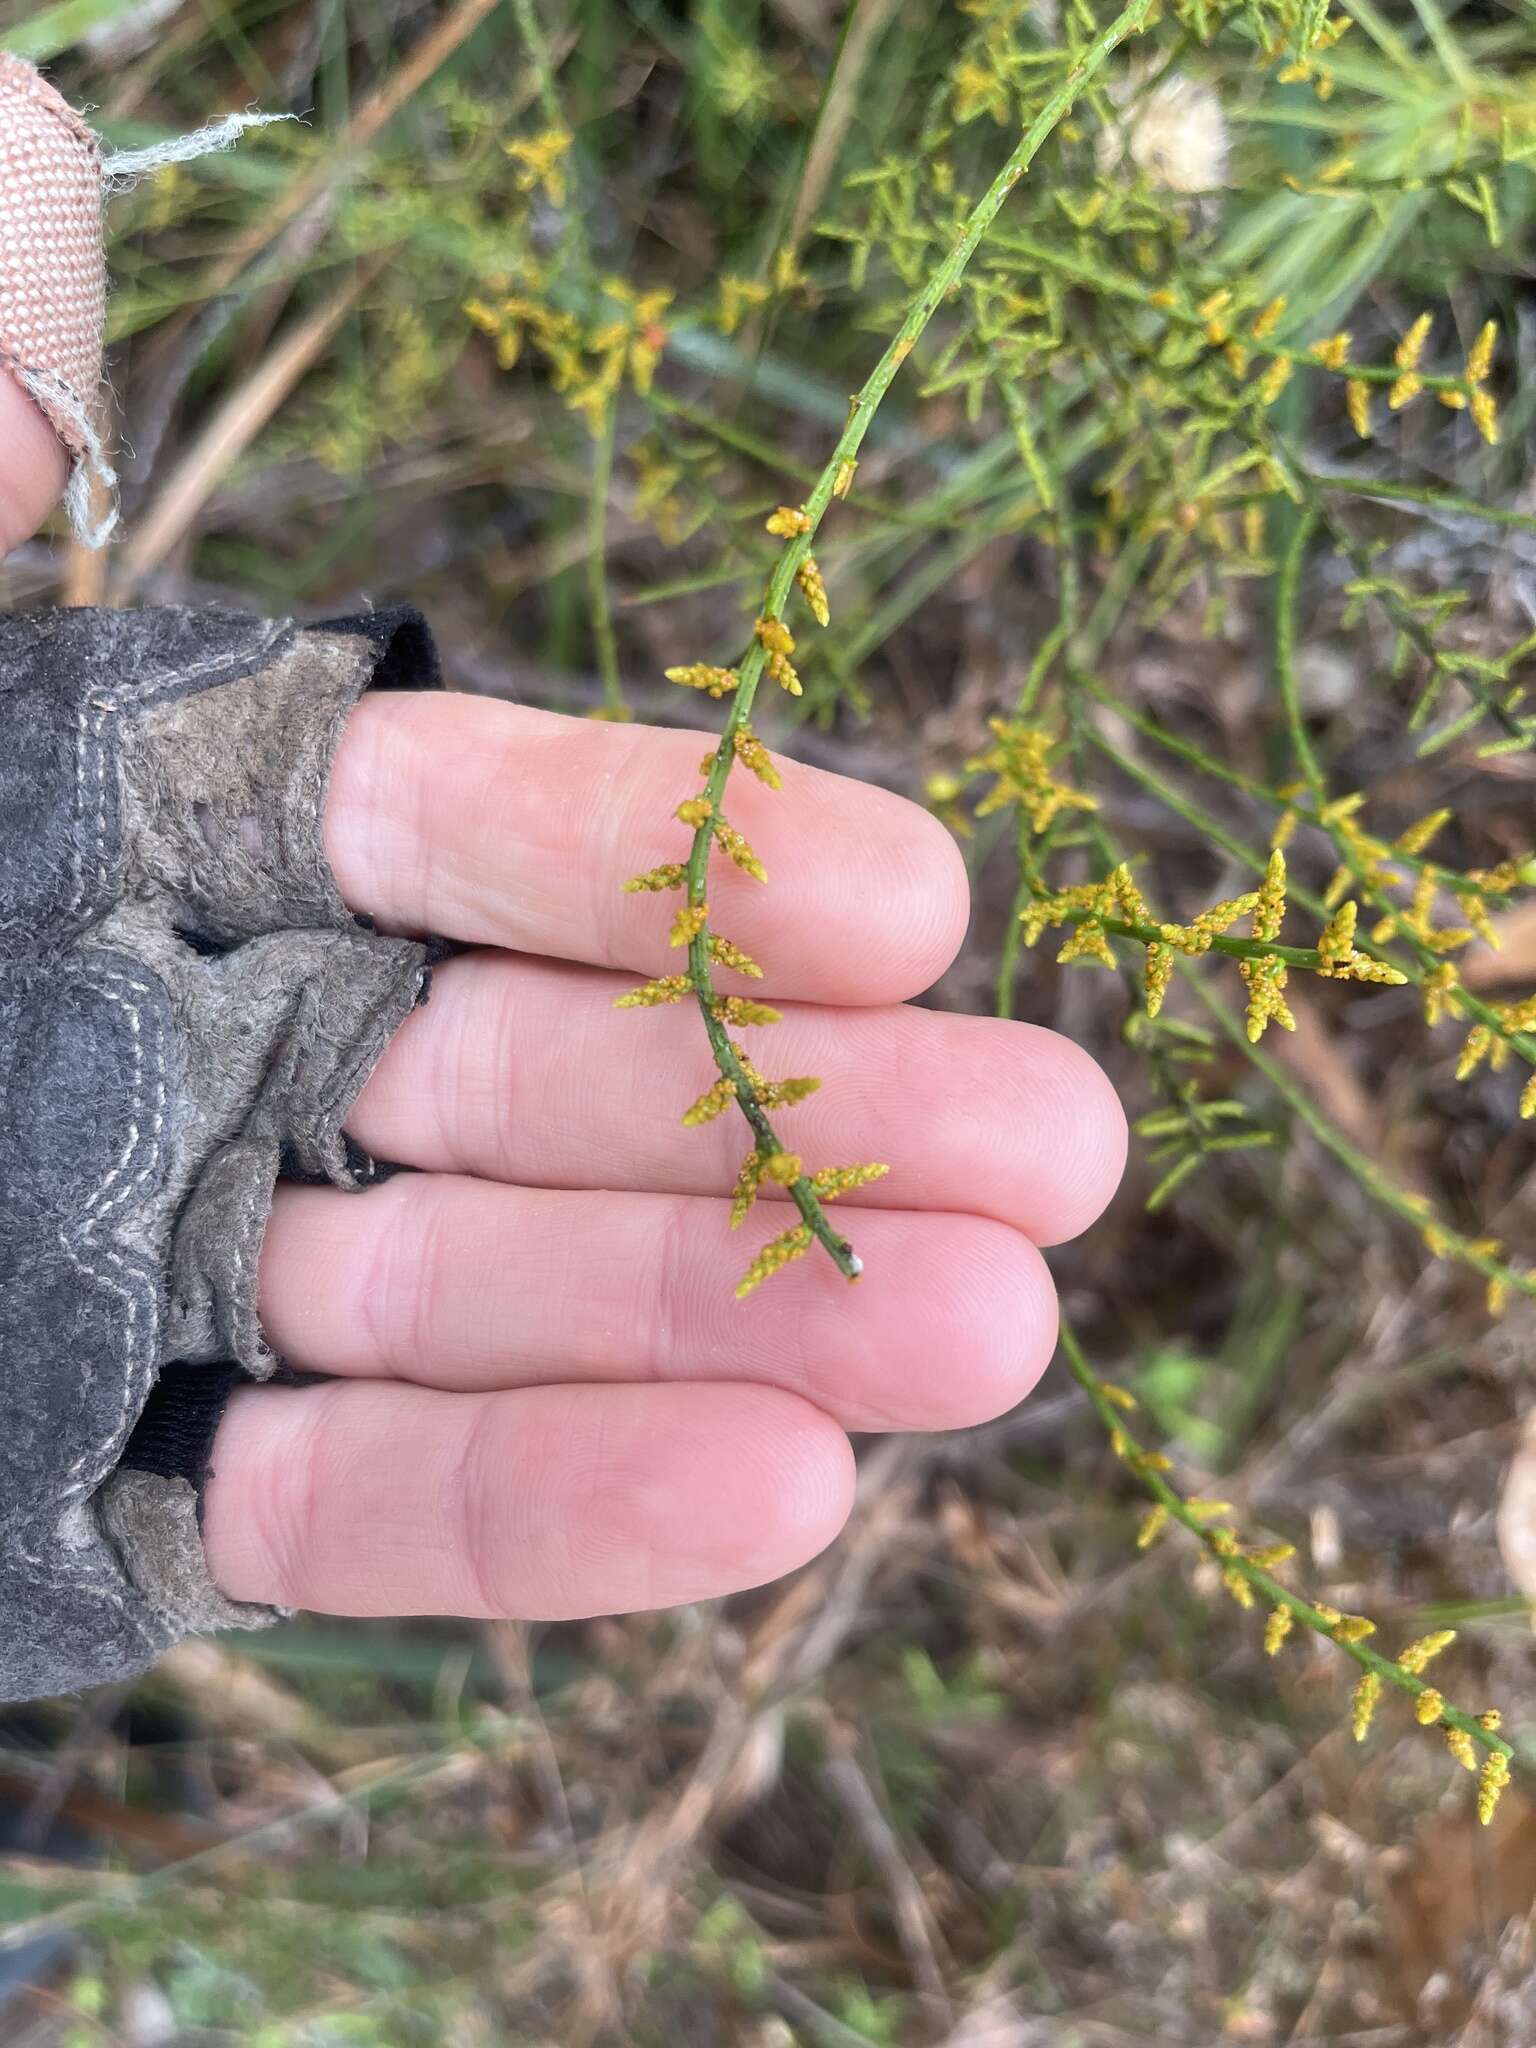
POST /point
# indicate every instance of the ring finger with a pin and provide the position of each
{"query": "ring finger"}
(465, 1286)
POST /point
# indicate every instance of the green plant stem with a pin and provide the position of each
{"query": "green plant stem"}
(1422, 494)
(1265, 1585)
(532, 34)
(838, 470)
(1291, 564)
(597, 565)
(1382, 1190)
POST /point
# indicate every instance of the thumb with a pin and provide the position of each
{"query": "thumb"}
(52, 296)
(33, 465)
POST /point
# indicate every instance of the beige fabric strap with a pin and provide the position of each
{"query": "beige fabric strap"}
(54, 180)
(53, 285)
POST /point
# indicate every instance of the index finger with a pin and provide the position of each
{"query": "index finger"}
(505, 826)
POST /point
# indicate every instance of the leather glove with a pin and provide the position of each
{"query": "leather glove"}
(187, 1010)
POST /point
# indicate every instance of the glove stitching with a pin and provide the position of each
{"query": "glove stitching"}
(90, 730)
(97, 1206)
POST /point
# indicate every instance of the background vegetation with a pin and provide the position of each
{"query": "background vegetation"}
(1211, 486)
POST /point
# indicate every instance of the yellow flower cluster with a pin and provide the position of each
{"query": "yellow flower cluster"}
(1020, 760)
(774, 1256)
(541, 163)
(1267, 975)
(814, 590)
(779, 642)
(587, 364)
(703, 675)
(1116, 906)
(688, 923)
(736, 298)
(738, 1079)
(1342, 960)
(1484, 1044)
(754, 757)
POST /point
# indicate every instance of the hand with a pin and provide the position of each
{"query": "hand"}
(546, 1400)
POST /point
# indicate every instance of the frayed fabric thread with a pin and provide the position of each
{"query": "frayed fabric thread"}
(90, 472)
(125, 168)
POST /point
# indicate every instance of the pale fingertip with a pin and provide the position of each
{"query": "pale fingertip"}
(34, 465)
(1095, 1138)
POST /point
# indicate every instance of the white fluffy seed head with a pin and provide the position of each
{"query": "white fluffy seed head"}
(1174, 132)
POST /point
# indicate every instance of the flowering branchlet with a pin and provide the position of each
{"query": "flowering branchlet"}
(1020, 760)
(1246, 1573)
(1116, 908)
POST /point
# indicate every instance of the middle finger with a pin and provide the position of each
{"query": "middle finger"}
(522, 1070)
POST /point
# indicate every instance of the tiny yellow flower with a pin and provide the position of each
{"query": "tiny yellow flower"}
(695, 811)
(1363, 1707)
(1459, 1743)
(833, 1181)
(1424, 1649)
(737, 850)
(1480, 356)
(1159, 974)
(785, 1168)
(784, 1094)
(1274, 380)
(671, 876)
(725, 954)
(743, 1010)
(775, 636)
(745, 1192)
(668, 988)
(1279, 1625)
(1428, 1707)
(736, 296)
(788, 521)
(1357, 398)
(711, 1103)
(1495, 1776)
(688, 923)
(754, 756)
(540, 159)
(773, 1257)
(1268, 320)
(1153, 1523)
(813, 590)
(1408, 351)
(703, 675)
(1352, 1628)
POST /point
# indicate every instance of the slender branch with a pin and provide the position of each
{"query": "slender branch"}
(1413, 1209)
(835, 476)
(603, 639)
(1263, 1583)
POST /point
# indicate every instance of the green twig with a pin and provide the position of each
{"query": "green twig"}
(838, 473)
(597, 565)
(1263, 1583)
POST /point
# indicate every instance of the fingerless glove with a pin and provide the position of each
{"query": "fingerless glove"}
(187, 1010)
